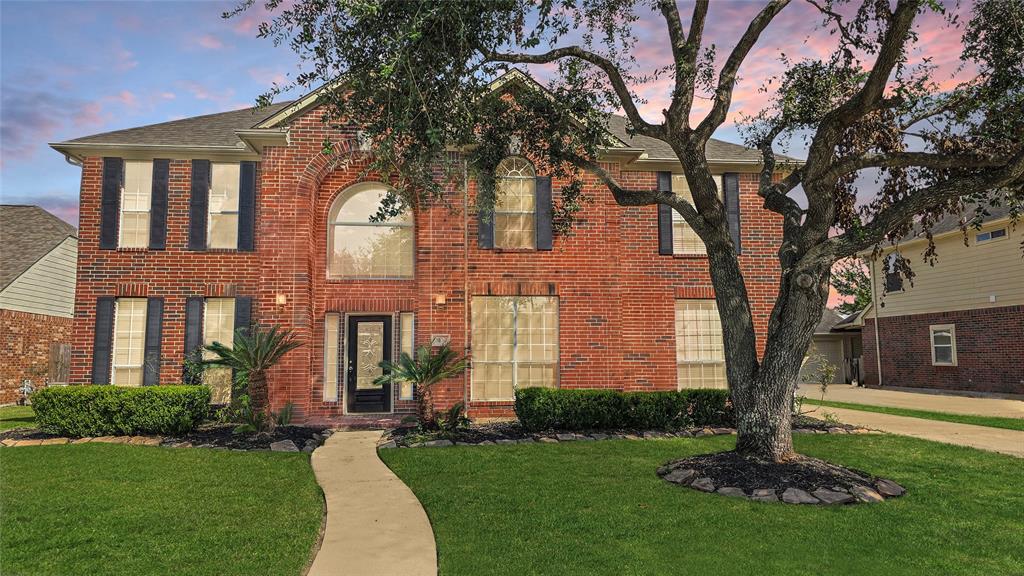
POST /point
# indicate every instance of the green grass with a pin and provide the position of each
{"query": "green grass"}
(116, 509)
(17, 417)
(597, 508)
(990, 421)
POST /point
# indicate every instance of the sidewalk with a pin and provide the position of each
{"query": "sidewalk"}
(982, 437)
(375, 524)
(917, 400)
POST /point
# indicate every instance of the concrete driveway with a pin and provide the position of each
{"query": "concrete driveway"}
(918, 400)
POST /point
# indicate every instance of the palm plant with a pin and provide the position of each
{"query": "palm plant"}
(423, 371)
(254, 352)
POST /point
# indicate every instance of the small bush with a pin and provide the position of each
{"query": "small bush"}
(561, 409)
(104, 410)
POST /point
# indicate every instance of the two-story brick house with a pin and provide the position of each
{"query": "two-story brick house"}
(193, 227)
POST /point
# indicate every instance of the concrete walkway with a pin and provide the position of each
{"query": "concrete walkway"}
(992, 439)
(918, 400)
(375, 525)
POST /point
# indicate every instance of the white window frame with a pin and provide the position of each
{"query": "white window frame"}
(141, 366)
(886, 271)
(986, 236)
(123, 205)
(515, 345)
(410, 349)
(210, 212)
(207, 340)
(334, 222)
(332, 377)
(677, 218)
(680, 363)
(952, 342)
(497, 204)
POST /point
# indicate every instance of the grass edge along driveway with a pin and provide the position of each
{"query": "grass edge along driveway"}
(119, 509)
(977, 420)
(597, 508)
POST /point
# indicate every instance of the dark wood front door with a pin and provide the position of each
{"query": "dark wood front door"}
(369, 344)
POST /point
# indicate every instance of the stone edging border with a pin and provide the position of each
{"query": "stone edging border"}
(551, 438)
(280, 446)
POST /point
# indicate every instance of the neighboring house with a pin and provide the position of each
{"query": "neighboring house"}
(37, 298)
(837, 340)
(960, 325)
(194, 227)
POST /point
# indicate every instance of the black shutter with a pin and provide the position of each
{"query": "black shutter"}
(731, 195)
(193, 331)
(247, 206)
(158, 204)
(198, 204)
(664, 216)
(110, 201)
(542, 196)
(154, 330)
(485, 229)
(243, 312)
(103, 340)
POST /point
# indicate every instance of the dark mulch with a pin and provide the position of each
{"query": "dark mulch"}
(803, 472)
(471, 434)
(25, 434)
(223, 436)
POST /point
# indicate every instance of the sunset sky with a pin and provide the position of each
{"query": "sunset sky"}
(71, 69)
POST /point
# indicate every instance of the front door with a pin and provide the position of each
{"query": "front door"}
(369, 344)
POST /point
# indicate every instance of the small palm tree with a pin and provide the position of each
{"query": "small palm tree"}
(254, 352)
(423, 371)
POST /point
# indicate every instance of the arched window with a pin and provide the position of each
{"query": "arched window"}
(360, 248)
(515, 209)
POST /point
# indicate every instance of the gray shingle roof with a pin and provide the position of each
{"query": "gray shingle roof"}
(27, 233)
(219, 130)
(829, 319)
(209, 130)
(717, 150)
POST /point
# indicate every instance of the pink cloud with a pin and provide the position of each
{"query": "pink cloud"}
(90, 114)
(267, 77)
(200, 92)
(210, 42)
(124, 60)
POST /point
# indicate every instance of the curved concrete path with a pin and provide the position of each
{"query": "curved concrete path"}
(375, 524)
(982, 437)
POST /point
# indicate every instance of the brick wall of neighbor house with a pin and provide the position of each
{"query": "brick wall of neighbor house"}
(989, 348)
(616, 294)
(25, 348)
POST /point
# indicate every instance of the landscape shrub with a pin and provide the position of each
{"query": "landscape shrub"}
(571, 409)
(105, 410)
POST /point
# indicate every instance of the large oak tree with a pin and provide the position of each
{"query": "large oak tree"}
(417, 77)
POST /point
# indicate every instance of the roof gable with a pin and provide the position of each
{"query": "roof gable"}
(27, 233)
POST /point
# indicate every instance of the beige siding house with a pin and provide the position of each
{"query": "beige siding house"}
(38, 258)
(959, 323)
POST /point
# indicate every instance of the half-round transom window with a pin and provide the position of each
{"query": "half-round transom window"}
(360, 248)
(515, 208)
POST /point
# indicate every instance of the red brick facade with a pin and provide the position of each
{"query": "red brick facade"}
(26, 341)
(616, 294)
(989, 348)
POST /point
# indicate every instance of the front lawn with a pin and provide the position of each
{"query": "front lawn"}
(990, 421)
(117, 509)
(17, 417)
(598, 508)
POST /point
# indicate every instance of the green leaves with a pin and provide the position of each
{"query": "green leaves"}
(255, 350)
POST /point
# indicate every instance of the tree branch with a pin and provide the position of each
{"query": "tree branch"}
(626, 197)
(851, 164)
(853, 241)
(727, 77)
(685, 50)
(609, 68)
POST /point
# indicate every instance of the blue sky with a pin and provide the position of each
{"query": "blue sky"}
(70, 69)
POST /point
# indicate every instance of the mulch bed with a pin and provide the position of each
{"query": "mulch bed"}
(801, 480)
(223, 436)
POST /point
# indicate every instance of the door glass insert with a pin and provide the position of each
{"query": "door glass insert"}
(370, 351)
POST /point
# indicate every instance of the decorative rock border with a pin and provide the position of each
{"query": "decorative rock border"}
(559, 437)
(279, 446)
(879, 490)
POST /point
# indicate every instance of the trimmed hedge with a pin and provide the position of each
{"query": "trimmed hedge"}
(570, 409)
(105, 410)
